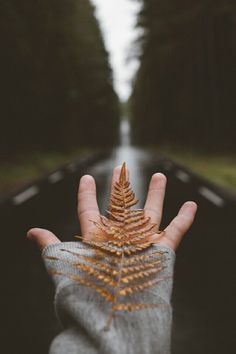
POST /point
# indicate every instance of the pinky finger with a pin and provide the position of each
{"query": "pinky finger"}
(179, 225)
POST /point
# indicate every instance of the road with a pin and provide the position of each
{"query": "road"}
(204, 282)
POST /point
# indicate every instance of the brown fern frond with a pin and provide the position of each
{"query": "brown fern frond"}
(134, 307)
(83, 281)
(119, 265)
(139, 287)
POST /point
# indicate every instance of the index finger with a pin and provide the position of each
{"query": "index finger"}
(87, 205)
(178, 227)
(155, 198)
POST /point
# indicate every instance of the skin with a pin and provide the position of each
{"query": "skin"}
(88, 210)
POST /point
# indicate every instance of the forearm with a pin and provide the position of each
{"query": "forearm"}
(83, 313)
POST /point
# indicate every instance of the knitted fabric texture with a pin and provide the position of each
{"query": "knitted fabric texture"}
(83, 313)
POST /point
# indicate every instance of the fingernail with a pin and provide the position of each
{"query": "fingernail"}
(190, 208)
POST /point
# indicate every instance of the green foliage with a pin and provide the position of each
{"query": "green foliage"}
(17, 172)
(56, 83)
(184, 89)
(217, 168)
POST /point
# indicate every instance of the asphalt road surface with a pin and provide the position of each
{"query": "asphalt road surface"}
(204, 283)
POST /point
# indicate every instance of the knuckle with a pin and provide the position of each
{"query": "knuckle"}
(178, 226)
(87, 211)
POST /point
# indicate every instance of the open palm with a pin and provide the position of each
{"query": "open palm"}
(88, 210)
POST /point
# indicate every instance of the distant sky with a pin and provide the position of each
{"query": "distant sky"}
(117, 20)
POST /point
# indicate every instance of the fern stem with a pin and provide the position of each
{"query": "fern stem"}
(116, 294)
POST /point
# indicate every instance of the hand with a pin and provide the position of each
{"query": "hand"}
(88, 210)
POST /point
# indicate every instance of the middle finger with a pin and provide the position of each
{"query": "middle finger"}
(155, 198)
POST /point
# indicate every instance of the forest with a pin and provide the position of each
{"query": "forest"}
(183, 94)
(56, 87)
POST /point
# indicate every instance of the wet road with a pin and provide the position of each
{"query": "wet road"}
(204, 284)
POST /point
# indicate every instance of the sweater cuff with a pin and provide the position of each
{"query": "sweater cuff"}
(83, 313)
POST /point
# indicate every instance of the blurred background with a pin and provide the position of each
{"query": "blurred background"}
(88, 84)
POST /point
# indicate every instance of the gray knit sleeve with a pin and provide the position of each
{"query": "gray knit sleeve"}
(83, 313)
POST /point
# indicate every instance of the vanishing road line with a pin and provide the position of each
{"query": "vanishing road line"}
(55, 177)
(211, 196)
(182, 176)
(72, 167)
(25, 195)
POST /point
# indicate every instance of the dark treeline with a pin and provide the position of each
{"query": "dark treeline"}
(184, 92)
(56, 89)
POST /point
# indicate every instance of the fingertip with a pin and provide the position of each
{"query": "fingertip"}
(159, 178)
(87, 182)
(87, 179)
(159, 175)
(42, 237)
(117, 171)
(189, 206)
(192, 204)
(32, 232)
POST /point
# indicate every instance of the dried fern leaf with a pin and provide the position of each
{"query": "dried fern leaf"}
(83, 281)
(120, 265)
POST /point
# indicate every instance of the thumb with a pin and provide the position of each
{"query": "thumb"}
(42, 237)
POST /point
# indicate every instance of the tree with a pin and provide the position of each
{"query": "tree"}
(183, 90)
(56, 82)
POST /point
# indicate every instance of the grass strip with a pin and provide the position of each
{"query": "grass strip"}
(217, 168)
